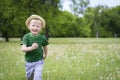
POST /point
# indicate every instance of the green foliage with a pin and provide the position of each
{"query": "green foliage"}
(99, 21)
(114, 20)
(103, 20)
(79, 6)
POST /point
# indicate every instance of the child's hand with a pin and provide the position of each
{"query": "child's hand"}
(34, 46)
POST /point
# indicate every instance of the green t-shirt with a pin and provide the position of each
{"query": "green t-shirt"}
(36, 54)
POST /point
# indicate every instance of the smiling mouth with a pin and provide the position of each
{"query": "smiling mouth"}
(34, 30)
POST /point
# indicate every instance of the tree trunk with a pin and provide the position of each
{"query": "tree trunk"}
(47, 33)
(97, 34)
(6, 36)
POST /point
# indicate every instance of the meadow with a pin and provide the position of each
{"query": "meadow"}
(68, 59)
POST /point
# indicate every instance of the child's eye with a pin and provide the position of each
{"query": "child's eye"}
(33, 25)
(38, 26)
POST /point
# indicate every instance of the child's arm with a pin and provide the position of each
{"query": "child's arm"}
(45, 52)
(24, 48)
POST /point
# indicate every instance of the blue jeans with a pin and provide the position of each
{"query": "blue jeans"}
(34, 70)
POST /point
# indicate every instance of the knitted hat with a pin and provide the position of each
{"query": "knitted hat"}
(35, 17)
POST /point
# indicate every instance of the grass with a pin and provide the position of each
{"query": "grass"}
(11, 61)
(68, 59)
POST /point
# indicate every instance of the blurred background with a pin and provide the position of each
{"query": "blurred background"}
(84, 37)
(64, 18)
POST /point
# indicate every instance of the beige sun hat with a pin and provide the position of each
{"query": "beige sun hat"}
(35, 17)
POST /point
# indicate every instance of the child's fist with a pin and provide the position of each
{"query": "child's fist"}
(34, 46)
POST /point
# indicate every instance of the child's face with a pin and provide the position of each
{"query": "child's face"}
(35, 26)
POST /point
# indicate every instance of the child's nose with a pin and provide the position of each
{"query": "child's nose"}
(35, 26)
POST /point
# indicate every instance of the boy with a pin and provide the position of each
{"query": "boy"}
(34, 45)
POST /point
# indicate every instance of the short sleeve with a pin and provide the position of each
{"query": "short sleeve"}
(45, 41)
(24, 40)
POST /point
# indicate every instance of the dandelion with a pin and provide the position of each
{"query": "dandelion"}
(54, 70)
(101, 77)
(108, 78)
(97, 64)
(118, 72)
(81, 72)
(57, 58)
(74, 57)
(1, 74)
(18, 63)
(111, 78)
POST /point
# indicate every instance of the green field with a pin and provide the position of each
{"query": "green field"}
(68, 59)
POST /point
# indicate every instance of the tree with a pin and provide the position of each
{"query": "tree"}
(114, 23)
(79, 6)
(7, 16)
(94, 18)
(14, 13)
(104, 23)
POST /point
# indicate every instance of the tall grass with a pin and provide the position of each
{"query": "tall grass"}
(11, 61)
(68, 59)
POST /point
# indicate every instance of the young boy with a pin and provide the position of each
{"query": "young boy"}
(34, 45)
